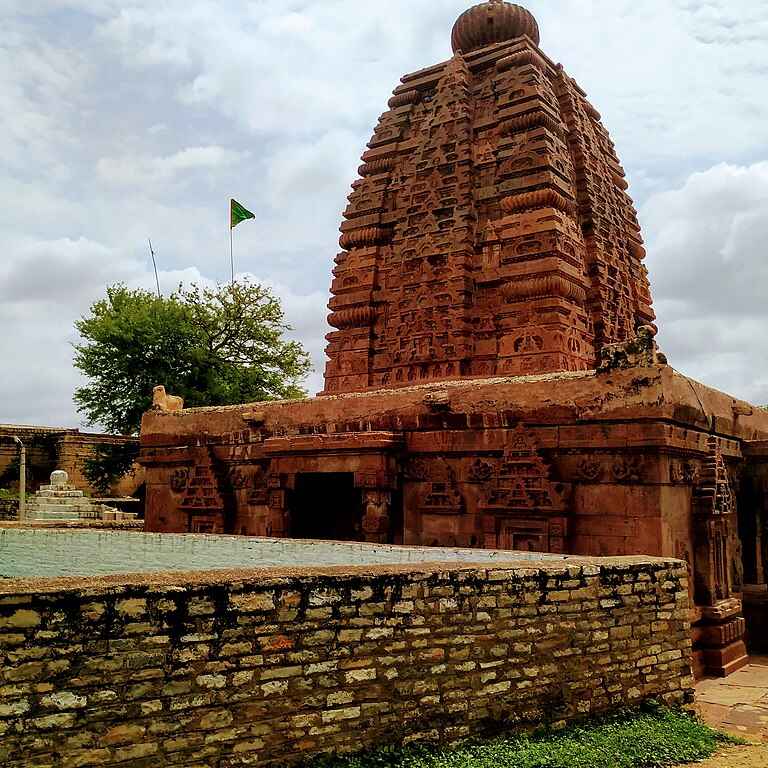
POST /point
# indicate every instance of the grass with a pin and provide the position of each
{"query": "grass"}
(652, 738)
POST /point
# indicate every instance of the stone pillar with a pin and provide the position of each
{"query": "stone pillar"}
(719, 634)
(22, 481)
(278, 517)
(761, 543)
(376, 516)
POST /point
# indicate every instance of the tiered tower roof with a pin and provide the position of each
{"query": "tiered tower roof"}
(490, 232)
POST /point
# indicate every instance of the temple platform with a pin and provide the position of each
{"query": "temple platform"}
(640, 460)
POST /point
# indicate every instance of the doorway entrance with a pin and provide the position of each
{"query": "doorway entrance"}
(326, 506)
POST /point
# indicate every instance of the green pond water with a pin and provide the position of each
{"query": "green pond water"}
(41, 553)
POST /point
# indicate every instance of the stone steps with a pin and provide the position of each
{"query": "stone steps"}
(62, 501)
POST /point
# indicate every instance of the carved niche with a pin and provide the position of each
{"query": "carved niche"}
(202, 489)
(252, 479)
(440, 493)
(716, 570)
(258, 495)
(202, 500)
(522, 507)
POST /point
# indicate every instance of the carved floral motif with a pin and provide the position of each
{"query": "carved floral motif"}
(628, 469)
(590, 468)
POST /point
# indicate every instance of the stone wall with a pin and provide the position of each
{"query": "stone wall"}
(263, 668)
(9, 509)
(50, 448)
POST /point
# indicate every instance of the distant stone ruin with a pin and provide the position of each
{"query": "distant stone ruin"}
(62, 501)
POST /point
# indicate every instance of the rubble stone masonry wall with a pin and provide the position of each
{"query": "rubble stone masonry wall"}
(269, 668)
(9, 509)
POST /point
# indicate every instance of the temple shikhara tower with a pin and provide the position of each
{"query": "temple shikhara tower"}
(490, 232)
(493, 378)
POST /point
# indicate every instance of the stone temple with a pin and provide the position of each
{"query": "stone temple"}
(493, 379)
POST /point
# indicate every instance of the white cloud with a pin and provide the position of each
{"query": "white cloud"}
(130, 170)
(125, 119)
(709, 268)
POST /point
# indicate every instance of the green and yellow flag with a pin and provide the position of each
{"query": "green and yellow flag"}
(238, 213)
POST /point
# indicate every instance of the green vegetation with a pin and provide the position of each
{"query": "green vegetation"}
(109, 464)
(651, 738)
(6, 495)
(212, 347)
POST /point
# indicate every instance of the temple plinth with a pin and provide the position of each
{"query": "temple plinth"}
(493, 379)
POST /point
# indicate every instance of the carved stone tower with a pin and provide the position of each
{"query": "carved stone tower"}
(490, 232)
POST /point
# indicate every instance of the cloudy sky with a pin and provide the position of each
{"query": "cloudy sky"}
(128, 119)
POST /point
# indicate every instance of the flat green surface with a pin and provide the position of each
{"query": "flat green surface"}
(38, 553)
(650, 739)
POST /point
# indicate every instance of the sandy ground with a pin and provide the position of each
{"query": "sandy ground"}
(739, 757)
(738, 705)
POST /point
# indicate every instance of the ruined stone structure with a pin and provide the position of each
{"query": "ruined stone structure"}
(267, 668)
(61, 501)
(493, 379)
(51, 448)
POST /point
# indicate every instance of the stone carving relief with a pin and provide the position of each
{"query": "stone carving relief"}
(202, 492)
(178, 480)
(520, 481)
(589, 468)
(522, 507)
(238, 478)
(376, 506)
(440, 493)
(684, 472)
(628, 469)
(258, 496)
(480, 471)
(490, 232)
(416, 469)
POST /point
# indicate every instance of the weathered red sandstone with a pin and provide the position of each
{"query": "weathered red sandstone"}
(493, 379)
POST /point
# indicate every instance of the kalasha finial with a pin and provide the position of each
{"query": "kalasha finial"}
(494, 21)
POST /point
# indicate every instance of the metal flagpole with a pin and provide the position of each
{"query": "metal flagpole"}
(154, 264)
(231, 255)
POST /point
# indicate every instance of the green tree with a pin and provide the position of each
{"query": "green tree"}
(211, 346)
(109, 464)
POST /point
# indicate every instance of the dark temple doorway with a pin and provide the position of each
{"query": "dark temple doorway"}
(326, 506)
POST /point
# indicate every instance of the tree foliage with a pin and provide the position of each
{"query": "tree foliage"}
(109, 464)
(211, 346)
